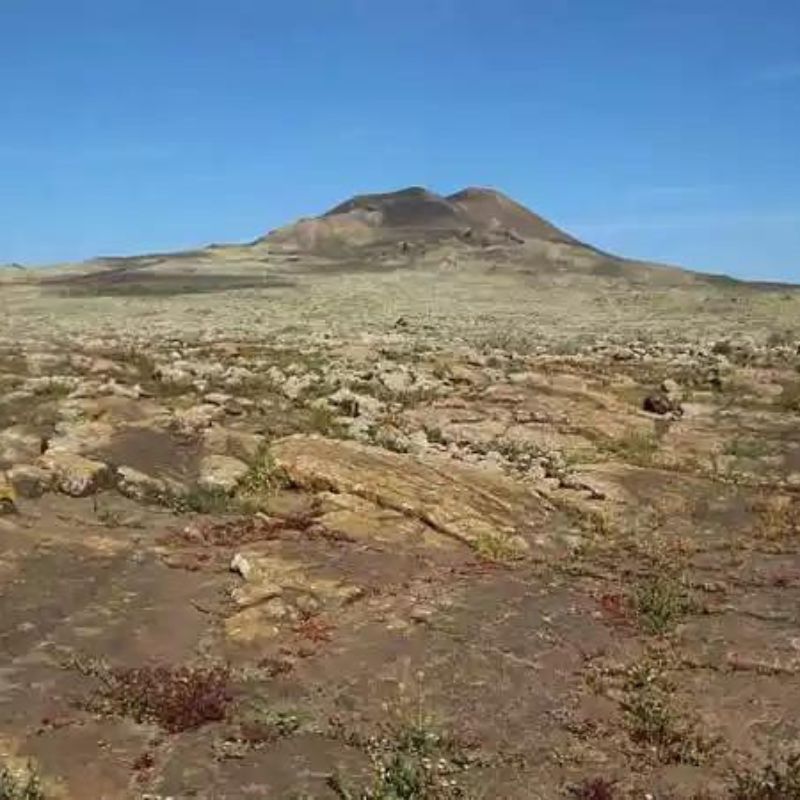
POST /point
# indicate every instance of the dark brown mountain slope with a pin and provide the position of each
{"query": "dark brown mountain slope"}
(488, 209)
(475, 216)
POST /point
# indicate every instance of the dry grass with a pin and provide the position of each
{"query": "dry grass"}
(777, 516)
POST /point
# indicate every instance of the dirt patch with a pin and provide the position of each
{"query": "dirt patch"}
(122, 282)
(153, 452)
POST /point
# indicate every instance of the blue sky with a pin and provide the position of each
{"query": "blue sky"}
(661, 129)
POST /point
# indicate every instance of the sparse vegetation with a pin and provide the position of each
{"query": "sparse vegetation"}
(410, 757)
(653, 719)
(409, 763)
(263, 478)
(636, 447)
(779, 781)
(20, 784)
(777, 516)
(660, 602)
(784, 338)
(110, 517)
(257, 726)
(262, 724)
(435, 435)
(744, 447)
(496, 547)
(200, 500)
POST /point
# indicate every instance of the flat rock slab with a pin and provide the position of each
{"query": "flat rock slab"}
(466, 503)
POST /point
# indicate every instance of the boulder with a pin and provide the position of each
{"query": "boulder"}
(29, 480)
(8, 496)
(104, 366)
(218, 440)
(197, 418)
(235, 377)
(78, 437)
(139, 485)
(20, 444)
(469, 504)
(672, 389)
(221, 473)
(280, 591)
(297, 385)
(111, 387)
(44, 363)
(174, 375)
(352, 404)
(661, 404)
(75, 475)
(397, 381)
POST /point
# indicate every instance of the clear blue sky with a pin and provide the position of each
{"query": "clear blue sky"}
(662, 129)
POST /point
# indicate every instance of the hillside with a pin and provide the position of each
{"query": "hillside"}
(473, 217)
(474, 231)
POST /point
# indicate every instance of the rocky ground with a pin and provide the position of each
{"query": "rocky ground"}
(411, 535)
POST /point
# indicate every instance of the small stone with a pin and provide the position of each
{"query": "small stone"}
(120, 390)
(241, 565)
(671, 388)
(104, 366)
(421, 614)
(295, 386)
(307, 604)
(418, 442)
(174, 376)
(217, 398)
(236, 377)
(278, 609)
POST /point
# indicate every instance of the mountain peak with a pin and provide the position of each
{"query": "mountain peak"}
(472, 192)
(417, 212)
(412, 207)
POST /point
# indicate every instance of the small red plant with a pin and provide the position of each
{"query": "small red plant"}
(314, 629)
(144, 762)
(596, 789)
(614, 605)
(178, 699)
